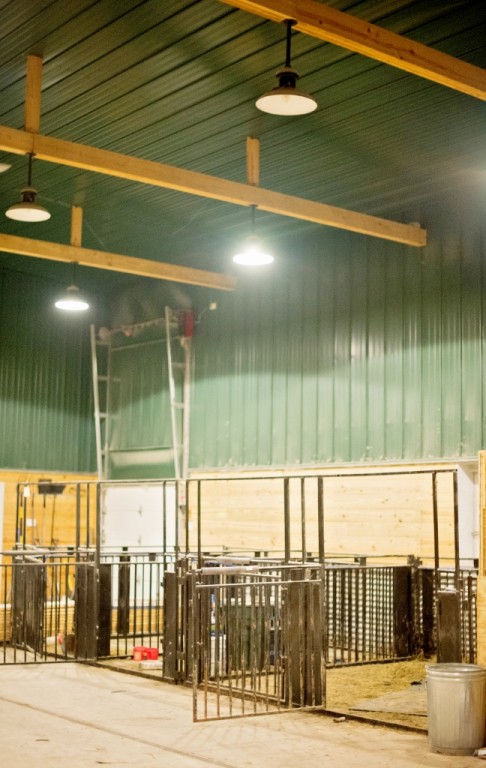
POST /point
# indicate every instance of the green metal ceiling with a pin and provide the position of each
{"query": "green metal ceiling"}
(176, 81)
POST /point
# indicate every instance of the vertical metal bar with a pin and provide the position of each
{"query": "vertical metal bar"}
(286, 520)
(436, 530)
(172, 395)
(187, 517)
(245, 644)
(25, 520)
(78, 516)
(302, 518)
(456, 530)
(195, 648)
(164, 522)
(253, 643)
(17, 513)
(320, 518)
(96, 401)
(186, 399)
(199, 526)
(97, 560)
(88, 510)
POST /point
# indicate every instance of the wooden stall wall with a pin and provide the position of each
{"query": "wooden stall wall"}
(380, 516)
(52, 518)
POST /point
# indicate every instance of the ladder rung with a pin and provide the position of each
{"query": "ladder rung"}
(102, 378)
(178, 365)
(177, 405)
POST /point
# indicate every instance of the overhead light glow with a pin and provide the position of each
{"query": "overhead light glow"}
(72, 301)
(253, 254)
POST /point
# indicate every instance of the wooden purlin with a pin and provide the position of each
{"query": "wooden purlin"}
(346, 31)
(115, 262)
(192, 182)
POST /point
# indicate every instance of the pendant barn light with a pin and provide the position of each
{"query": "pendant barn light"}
(72, 300)
(287, 99)
(28, 210)
(253, 254)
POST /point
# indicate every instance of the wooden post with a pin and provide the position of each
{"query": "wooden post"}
(33, 94)
(76, 226)
(253, 161)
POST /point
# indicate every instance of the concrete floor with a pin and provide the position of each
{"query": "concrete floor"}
(73, 716)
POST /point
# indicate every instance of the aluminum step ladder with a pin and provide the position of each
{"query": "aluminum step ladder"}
(100, 363)
(177, 325)
(179, 359)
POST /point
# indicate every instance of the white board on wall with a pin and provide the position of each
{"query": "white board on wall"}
(133, 516)
(132, 520)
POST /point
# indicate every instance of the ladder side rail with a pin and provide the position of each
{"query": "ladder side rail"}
(187, 346)
(172, 395)
(96, 402)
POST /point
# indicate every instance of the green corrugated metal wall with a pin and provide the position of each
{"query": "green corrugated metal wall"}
(140, 436)
(353, 350)
(46, 411)
(346, 349)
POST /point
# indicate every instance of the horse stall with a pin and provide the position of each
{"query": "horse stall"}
(94, 589)
(246, 588)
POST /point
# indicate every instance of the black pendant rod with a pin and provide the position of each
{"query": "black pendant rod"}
(290, 23)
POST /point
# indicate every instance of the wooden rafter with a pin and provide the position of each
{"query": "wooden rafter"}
(87, 257)
(195, 183)
(318, 20)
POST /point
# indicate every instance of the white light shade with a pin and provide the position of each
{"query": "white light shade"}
(27, 210)
(286, 101)
(253, 254)
(72, 301)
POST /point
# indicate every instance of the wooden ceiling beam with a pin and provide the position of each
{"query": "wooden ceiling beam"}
(160, 175)
(324, 23)
(87, 257)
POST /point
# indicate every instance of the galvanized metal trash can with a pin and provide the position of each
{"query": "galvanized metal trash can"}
(456, 708)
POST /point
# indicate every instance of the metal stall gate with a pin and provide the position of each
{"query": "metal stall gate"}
(258, 640)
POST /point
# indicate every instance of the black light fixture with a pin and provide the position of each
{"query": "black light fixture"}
(253, 253)
(287, 99)
(27, 209)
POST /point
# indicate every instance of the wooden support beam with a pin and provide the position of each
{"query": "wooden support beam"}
(195, 183)
(252, 161)
(33, 94)
(76, 225)
(324, 23)
(87, 257)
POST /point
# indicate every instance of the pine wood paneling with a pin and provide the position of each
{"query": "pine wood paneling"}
(377, 516)
(50, 514)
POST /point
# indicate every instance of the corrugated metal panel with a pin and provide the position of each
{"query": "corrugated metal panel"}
(360, 354)
(176, 81)
(139, 424)
(45, 385)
